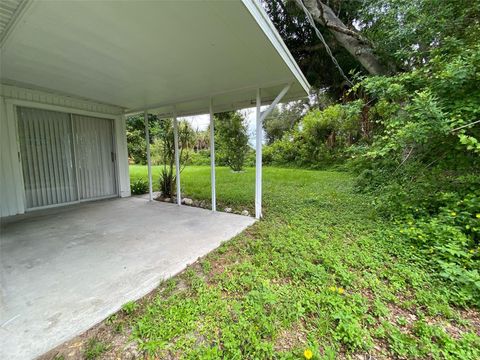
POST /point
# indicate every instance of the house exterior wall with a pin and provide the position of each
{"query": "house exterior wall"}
(11, 182)
(12, 193)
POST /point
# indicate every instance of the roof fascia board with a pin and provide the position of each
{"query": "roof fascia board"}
(261, 17)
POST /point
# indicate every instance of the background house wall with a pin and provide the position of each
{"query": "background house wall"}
(12, 193)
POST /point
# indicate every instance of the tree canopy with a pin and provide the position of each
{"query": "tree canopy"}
(401, 35)
(231, 139)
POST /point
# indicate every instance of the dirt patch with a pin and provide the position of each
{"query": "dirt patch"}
(291, 338)
(472, 316)
(220, 263)
(401, 317)
(118, 345)
(456, 329)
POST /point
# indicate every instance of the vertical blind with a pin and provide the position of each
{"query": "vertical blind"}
(46, 147)
(65, 157)
(95, 163)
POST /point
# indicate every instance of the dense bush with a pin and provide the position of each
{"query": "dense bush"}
(231, 140)
(201, 157)
(135, 126)
(424, 166)
(413, 140)
(139, 187)
(319, 139)
(449, 240)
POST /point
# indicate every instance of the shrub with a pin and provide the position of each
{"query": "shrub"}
(166, 148)
(319, 139)
(167, 181)
(283, 152)
(424, 170)
(139, 187)
(232, 140)
(201, 157)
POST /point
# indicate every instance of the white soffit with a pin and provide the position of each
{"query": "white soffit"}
(151, 54)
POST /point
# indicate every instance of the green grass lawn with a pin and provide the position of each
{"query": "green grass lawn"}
(233, 189)
(321, 271)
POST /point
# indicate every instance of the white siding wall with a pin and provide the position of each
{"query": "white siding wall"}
(11, 181)
(12, 194)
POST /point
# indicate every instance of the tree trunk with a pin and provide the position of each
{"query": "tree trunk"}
(353, 42)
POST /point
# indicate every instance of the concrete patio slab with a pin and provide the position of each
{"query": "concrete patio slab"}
(64, 270)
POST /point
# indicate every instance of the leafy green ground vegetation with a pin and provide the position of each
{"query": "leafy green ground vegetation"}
(413, 141)
(384, 261)
(322, 271)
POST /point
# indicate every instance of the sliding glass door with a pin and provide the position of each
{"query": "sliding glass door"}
(65, 157)
(95, 156)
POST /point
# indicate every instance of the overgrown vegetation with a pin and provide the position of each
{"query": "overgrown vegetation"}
(411, 137)
(424, 163)
(381, 259)
(414, 145)
(341, 283)
(319, 140)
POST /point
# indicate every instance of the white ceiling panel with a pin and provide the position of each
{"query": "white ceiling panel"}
(144, 54)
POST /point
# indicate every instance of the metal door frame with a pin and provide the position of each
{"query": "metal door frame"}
(70, 112)
(114, 160)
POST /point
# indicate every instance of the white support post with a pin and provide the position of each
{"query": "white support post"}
(149, 164)
(260, 116)
(258, 159)
(177, 157)
(212, 156)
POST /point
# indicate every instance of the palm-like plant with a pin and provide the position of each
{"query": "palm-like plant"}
(166, 136)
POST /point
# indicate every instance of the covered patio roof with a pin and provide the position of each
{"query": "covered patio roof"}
(149, 55)
(170, 58)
